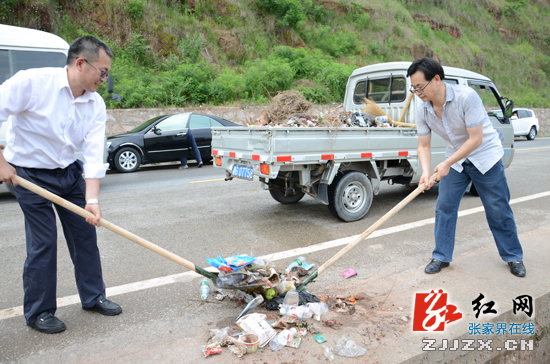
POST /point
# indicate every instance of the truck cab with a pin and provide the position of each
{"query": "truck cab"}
(388, 85)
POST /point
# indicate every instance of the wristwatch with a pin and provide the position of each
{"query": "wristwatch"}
(92, 201)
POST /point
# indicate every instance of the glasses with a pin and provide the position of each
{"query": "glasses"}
(420, 90)
(102, 74)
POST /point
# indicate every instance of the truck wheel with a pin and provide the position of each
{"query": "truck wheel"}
(127, 160)
(278, 193)
(532, 133)
(350, 196)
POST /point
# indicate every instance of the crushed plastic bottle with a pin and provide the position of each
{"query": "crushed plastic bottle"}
(328, 353)
(348, 348)
(204, 288)
(282, 339)
(230, 280)
(296, 263)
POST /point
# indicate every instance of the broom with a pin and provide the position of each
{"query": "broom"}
(373, 109)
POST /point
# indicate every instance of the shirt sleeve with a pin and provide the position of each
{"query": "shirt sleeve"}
(94, 144)
(15, 95)
(421, 125)
(474, 112)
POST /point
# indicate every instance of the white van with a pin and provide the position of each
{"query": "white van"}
(21, 49)
(388, 85)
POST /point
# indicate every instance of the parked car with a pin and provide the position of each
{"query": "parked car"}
(163, 139)
(524, 121)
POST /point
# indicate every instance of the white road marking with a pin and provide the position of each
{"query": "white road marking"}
(189, 276)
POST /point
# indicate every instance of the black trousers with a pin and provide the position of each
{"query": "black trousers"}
(40, 269)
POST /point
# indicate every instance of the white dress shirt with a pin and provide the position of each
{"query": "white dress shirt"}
(48, 125)
(463, 109)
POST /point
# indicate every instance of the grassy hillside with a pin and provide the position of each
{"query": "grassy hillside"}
(188, 52)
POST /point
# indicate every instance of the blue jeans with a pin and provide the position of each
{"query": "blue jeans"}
(495, 196)
(191, 141)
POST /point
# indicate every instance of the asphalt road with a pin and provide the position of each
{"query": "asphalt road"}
(194, 213)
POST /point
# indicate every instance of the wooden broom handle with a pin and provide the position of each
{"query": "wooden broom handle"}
(102, 222)
(375, 226)
(405, 108)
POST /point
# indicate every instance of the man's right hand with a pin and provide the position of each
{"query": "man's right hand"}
(7, 172)
(425, 180)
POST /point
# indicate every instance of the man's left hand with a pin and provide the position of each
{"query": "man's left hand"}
(442, 170)
(96, 210)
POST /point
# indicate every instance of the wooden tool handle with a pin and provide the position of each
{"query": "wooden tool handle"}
(102, 222)
(375, 226)
(404, 112)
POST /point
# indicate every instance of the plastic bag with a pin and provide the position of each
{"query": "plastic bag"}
(219, 335)
(305, 297)
(348, 348)
(316, 309)
(230, 264)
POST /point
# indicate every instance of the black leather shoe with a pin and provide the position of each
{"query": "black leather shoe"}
(517, 268)
(435, 266)
(104, 307)
(48, 323)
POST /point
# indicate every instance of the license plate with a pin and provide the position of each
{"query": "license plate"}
(242, 172)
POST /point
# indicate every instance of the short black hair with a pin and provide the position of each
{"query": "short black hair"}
(87, 46)
(428, 66)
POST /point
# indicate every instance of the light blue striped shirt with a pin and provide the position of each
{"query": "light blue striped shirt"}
(463, 109)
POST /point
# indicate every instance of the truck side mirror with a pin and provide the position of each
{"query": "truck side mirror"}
(508, 107)
(110, 88)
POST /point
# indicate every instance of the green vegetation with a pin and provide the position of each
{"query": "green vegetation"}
(184, 52)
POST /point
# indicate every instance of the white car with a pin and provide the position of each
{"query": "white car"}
(524, 121)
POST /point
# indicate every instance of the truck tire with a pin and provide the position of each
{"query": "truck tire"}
(127, 160)
(350, 196)
(278, 193)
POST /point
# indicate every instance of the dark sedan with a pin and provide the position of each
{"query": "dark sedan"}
(163, 139)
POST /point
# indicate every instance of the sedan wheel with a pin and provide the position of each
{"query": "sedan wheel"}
(532, 133)
(127, 160)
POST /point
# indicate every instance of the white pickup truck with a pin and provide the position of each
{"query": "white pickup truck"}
(343, 167)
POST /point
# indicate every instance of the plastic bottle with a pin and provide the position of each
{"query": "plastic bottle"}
(282, 339)
(329, 354)
(296, 263)
(292, 298)
(230, 280)
(204, 288)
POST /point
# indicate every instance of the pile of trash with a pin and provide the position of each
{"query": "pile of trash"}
(258, 283)
(291, 109)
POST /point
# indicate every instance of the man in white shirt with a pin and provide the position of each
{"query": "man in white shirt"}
(474, 153)
(55, 112)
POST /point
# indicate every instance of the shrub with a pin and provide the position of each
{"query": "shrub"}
(267, 77)
(135, 9)
(316, 94)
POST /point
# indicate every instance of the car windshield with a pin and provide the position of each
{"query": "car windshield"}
(146, 124)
